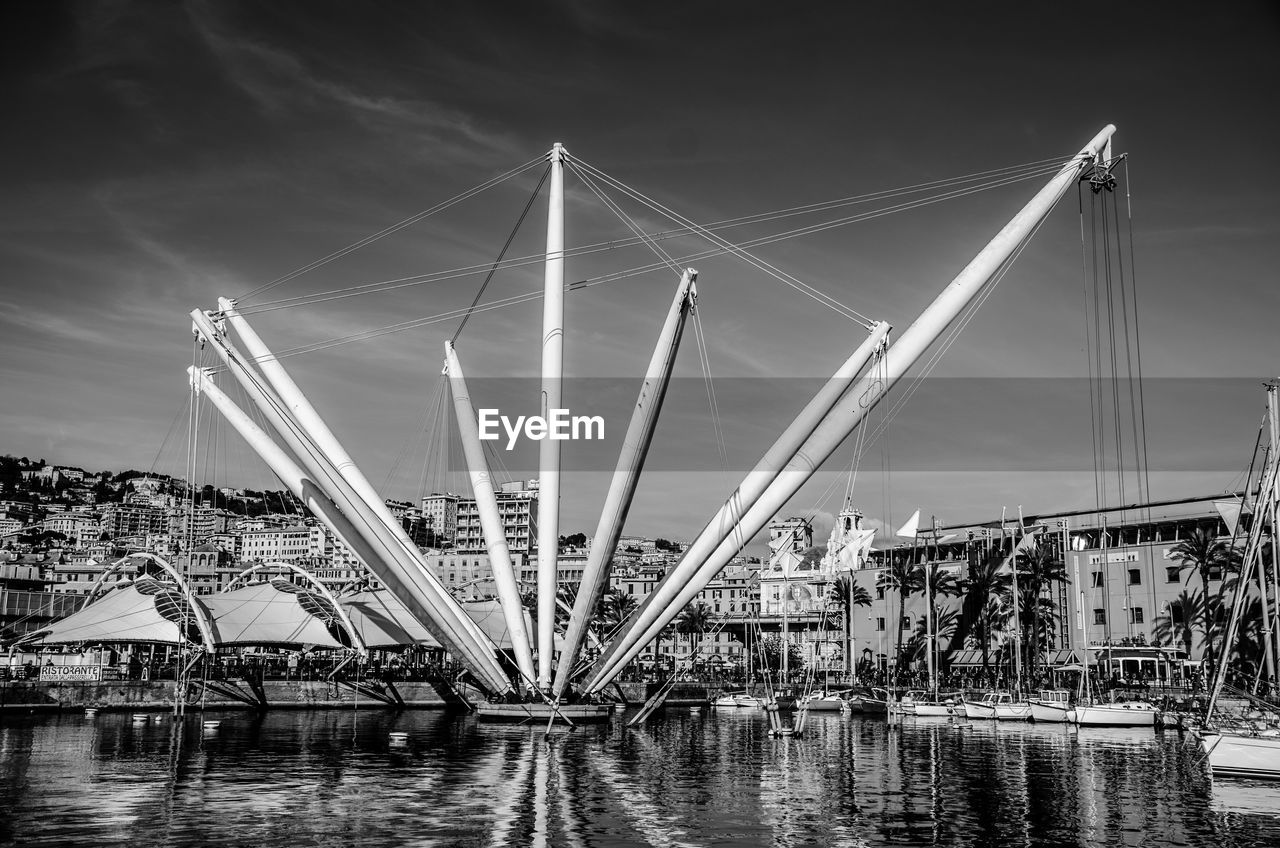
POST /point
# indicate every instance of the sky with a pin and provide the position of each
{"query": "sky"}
(160, 155)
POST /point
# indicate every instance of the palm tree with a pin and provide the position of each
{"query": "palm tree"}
(988, 582)
(1039, 570)
(847, 594)
(1171, 629)
(1202, 553)
(906, 578)
(693, 621)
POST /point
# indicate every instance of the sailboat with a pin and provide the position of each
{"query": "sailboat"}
(1240, 747)
(536, 680)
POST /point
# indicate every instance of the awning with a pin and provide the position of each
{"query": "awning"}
(969, 658)
(144, 610)
(384, 622)
(267, 614)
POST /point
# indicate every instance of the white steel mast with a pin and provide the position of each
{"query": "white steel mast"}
(482, 663)
(495, 536)
(635, 446)
(400, 567)
(756, 482)
(299, 409)
(552, 399)
(847, 415)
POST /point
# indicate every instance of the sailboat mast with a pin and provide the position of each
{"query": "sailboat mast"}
(1273, 408)
(552, 399)
(928, 608)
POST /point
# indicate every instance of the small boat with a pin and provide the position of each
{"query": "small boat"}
(824, 701)
(1243, 753)
(1127, 714)
(1011, 710)
(1051, 706)
(877, 703)
(924, 705)
(737, 700)
(985, 708)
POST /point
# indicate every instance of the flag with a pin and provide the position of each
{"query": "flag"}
(1230, 512)
(1025, 542)
(856, 549)
(786, 561)
(911, 528)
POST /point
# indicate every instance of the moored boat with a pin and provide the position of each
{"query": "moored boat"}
(540, 712)
(1235, 753)
(986, 707)
(1011, 710)
(1127, 714)
(1051, 706)
(825, 701)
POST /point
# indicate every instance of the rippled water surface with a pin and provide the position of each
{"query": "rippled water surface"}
(335, 778)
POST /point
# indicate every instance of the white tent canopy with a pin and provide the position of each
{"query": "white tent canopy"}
(383, 622)
(145, 610)
(274, 613)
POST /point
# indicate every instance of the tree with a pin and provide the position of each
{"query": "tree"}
(616, 608)
(1039, 570)
(1202, 554)
(693, 621)
(847, 594)
(988, 582)
(905, 578)
(1175, 626)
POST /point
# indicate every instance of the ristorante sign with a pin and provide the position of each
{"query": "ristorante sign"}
(71, 673)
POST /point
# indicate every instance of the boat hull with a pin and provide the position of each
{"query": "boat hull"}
(975, 710)
(934, 710)
(827, 704)
(1016, 711)
(534, 713)
(1134, 714)
(1050, 712)
(1241, 755)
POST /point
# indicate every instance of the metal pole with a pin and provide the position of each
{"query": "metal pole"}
(495, 536)
(864, 396)
(635, 446)
(483, 664)
(552, 400)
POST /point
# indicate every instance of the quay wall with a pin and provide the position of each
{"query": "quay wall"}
(158, 695)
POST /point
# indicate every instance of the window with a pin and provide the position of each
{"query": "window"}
(1135, 615)
(1171, 574)
(1097, 579)
(1099, 616)
(880, 624)
(879, 593)
(1215, 572)
(1135, 577)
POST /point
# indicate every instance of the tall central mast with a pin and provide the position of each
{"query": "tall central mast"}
(549, 449)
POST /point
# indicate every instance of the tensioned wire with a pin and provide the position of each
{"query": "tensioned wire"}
(958, 328)
(737, 250)
(394, 228)
(994, 178)
(606, 278)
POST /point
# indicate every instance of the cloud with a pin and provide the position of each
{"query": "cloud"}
(283, 85)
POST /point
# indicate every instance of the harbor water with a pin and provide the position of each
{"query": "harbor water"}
(424, 778)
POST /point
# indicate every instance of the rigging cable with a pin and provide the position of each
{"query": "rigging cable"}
(394, 228)
(996, 178)
(582, 284)
(493, 268)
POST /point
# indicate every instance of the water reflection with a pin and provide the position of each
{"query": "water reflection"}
(292, 778)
